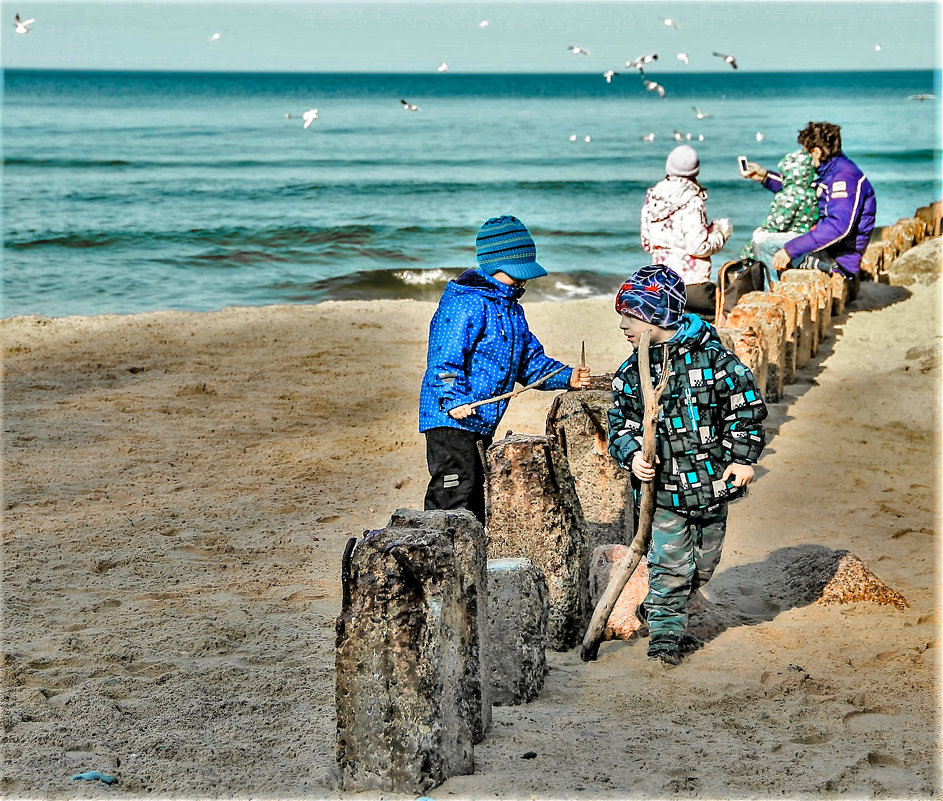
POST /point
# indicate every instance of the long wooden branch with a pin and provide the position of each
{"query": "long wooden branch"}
(643, 532)
(518, 391)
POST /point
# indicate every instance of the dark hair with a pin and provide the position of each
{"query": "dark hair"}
(823, 135)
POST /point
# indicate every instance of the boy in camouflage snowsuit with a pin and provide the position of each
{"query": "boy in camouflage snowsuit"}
(709, 436)
(794, 209)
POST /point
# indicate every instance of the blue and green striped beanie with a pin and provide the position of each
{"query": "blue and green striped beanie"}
(505, 245)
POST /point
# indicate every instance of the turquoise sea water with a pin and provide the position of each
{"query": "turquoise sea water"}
(127, 192)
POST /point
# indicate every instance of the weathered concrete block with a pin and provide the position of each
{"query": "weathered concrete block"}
(839, 294)
(468, 539)
(931, 216)
(534, 513)
(770, 320)
(517, 630)
(790, 323)
(401, 651)
(623, 622)
(750, 347)
(821, 295)
(873, 260)
(580, 422)
(806, 329)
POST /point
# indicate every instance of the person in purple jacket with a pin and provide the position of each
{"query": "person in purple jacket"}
(846, 207)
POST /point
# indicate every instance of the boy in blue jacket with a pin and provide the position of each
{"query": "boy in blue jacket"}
(479, 346)
(709, 435)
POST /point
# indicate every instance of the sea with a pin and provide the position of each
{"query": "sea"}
(127, 192)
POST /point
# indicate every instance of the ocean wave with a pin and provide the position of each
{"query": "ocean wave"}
(427, 285)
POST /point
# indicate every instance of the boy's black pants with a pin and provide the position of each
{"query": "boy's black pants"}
(457, 477)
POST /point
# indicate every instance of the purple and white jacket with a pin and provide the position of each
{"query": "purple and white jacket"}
(847, 207)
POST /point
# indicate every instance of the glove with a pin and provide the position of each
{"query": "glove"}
(723, 225)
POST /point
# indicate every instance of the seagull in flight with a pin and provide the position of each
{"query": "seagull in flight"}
(649, 137)
(483, 24)
(760, 136)
(576, 50)
(309, 116)
(671, 23)
(608, 75)
(409, 106)
(641, 61)
(653, 86)
(678, 135)
(443, 67)
(729, 59)
(698, 113)
(215, 37)
(22, 25)
(684, 57)
(922, 97)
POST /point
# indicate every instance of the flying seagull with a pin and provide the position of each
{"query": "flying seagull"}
(608, 75)
(576, 50)
(641, 61)
(698, 113)
(760, 136)
(671, 23)
(652, 86)
(729, 59)
(922, 97)
(684, 57)
(310, 116)
(215, 37)
(22, 25)
(649, 137)
(678, 135)
(483, 24)
(443, 67)
(409, 106)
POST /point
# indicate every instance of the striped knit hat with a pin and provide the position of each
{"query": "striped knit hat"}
(505, 245)
(654, 294)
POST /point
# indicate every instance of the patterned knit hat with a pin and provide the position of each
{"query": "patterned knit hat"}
(505, 245)
(683, 162)
(654, 294)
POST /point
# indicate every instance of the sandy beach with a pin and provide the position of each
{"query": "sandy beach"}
(178, 489)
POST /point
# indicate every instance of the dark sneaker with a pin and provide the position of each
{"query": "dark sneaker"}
(666, 652)
(641, 614)
(688, 644)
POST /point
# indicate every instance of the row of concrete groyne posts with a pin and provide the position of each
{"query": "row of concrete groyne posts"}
(442, 617)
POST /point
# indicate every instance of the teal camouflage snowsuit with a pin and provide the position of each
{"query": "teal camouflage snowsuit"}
(712, 415)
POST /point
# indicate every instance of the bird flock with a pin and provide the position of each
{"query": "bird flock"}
(637, 64)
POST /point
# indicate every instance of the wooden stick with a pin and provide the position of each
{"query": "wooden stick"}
(517, 392)
(639, 547)
(583, 358)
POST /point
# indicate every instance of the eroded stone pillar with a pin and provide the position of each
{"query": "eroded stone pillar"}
(468, 539)
(517, 630)
(534, 513)
(401, 654)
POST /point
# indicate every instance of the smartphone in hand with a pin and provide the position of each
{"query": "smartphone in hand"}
(742, 164)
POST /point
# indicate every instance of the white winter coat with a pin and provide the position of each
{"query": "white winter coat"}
(675, 231)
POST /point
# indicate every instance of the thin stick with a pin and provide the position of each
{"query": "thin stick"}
(517, 392)
(639, 547)
(583, 358)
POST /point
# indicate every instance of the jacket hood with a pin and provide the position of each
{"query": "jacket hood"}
(475, 281)
(797, 168)
(670, 194)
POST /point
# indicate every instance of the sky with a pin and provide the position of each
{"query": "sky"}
(523, 36)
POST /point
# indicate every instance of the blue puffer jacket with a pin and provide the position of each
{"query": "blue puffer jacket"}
(847, 208)
(479, 346)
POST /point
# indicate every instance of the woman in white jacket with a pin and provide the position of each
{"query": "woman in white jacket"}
(675, 231)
